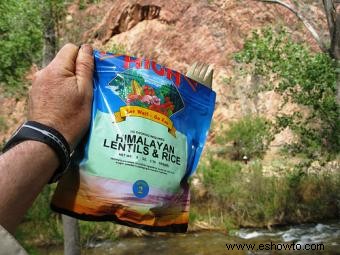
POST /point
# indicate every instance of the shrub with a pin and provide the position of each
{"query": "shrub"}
(250, 137)
(21, 40)
(218, 175)
(248, 197)
(306, 78)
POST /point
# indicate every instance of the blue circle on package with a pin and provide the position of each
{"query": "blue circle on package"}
(140, 188)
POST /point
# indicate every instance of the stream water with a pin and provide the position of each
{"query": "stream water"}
(318, 238)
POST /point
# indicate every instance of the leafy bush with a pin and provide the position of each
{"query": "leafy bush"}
(219, 173)
(20, 40)
(248, 197)
(306, 78)
(250, 137)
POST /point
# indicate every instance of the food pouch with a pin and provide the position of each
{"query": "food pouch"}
(148, 127)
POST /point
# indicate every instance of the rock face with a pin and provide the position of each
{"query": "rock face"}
(177, 33)
(130, 16)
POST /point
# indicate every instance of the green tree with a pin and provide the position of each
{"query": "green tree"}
(20, 40)
(330, 46)
(26, 26)
(250, 137)
(306, 78)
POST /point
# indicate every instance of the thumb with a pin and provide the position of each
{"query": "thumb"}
(84, 69)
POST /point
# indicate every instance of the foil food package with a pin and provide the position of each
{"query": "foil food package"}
(148, 128)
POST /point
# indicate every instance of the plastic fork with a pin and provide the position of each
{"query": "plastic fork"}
(201, 73)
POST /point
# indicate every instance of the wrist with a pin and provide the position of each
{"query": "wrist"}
(41, 149)
(38, 151)
(36, 131)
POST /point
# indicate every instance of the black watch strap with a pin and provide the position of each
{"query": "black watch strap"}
(32, 130)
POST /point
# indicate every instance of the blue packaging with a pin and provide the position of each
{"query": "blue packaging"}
(148, 128)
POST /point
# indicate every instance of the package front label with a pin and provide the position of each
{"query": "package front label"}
(149, 124)
(135, 147)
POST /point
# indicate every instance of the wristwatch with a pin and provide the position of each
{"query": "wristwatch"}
(32, 130)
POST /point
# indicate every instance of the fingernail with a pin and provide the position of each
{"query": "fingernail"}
(86, 48)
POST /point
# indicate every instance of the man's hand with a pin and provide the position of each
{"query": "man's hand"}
(61, 93)
(61, 98)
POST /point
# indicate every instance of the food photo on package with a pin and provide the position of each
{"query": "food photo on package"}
(147, 131)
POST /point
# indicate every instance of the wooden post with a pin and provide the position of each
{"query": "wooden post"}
(71, 236)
